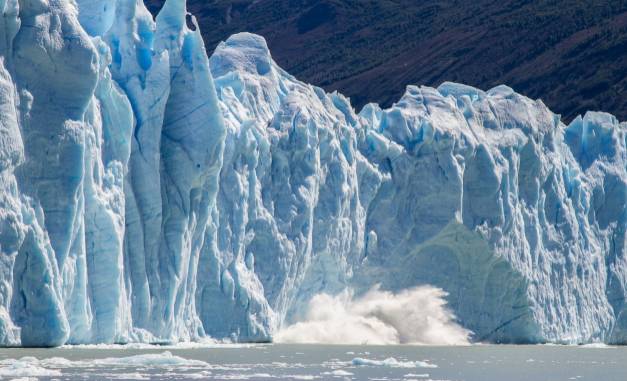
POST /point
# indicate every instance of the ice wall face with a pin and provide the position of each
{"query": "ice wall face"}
(62, 183)
(148, 193)
(484, 194)
(105, 136)
(471, 168)
(487, 195)
(176, 152)
(75, 125)
(291, 215)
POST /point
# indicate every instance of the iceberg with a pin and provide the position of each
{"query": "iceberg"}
(151, 193)
(392, 363)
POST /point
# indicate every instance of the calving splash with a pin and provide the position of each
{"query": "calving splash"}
(415, 316)
(150, 193)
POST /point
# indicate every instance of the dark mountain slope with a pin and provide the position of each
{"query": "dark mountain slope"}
(572, 54)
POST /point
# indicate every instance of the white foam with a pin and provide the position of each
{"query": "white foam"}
(596, 346)
(414, 316)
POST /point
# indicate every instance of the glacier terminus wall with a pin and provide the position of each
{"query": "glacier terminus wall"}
(152, 193)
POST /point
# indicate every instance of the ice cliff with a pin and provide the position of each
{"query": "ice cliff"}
(150, 193)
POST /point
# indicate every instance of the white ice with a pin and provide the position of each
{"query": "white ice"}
(392, 363)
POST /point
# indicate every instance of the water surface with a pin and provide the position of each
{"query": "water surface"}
(319, 362)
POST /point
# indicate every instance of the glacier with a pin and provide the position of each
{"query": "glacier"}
(151, 193)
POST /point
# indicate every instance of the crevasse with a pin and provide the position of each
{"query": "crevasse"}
(150, 193)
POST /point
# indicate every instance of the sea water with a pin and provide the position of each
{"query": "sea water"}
(317, 362)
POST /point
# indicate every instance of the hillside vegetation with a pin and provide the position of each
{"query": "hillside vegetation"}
(571, 54)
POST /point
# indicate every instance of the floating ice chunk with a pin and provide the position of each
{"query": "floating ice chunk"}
(412, 375)
(392, 363)
(338, 372)
(182, 345)
(242, 376)
(25, 367)
(164, 359)
(191, 376)
(126, 376)
(158, 360)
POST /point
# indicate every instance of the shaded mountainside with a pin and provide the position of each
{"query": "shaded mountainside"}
(572, 54)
